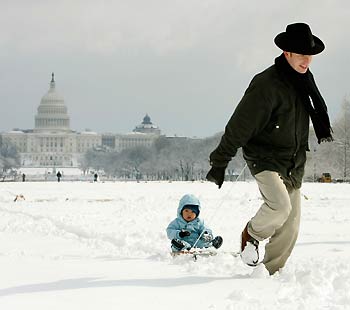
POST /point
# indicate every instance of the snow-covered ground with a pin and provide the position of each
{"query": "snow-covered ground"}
(103, 246)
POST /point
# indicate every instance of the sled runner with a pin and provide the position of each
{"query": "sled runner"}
(195, 253)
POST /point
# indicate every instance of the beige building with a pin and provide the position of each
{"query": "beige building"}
(52, 143)
(143, 135)
(134, 139)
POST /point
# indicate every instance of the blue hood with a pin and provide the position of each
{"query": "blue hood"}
(188, 199)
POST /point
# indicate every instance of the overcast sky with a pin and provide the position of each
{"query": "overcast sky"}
(184, 62)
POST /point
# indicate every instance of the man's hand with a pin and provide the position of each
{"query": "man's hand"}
(216, 175)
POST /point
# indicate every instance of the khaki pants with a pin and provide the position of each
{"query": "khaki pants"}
(278, 219)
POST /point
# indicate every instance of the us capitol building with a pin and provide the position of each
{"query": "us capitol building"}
(52, 143)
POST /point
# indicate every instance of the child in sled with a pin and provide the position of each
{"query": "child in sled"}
(188, 230)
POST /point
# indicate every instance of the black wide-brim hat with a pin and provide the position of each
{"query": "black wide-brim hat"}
(299, 39)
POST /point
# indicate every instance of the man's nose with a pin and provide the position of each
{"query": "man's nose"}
(307, 58)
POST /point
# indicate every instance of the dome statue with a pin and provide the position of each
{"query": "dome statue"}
(147, 127)
(52, 112)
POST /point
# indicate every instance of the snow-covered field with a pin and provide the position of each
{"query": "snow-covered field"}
(74, 245)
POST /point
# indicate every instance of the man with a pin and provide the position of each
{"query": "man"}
(271, 124)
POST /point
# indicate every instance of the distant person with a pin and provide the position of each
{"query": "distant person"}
(59, 175)
(95, 177)
(271, 124)
(23, 177)
(187, 227)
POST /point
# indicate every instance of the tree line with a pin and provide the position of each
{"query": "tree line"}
(167, 159)
(332, 157)
(188, 159)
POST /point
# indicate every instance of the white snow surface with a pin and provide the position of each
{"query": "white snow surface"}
(76, 245)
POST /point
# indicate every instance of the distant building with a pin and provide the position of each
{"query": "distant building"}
(108, 140)
(52, 143)
(147, 127)
(143, 135)
(134, 139)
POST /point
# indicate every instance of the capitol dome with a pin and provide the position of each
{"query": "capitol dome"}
(52, 112)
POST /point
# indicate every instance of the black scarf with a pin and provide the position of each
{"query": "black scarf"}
(311, 97)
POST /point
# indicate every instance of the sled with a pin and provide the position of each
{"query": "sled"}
(195, 253)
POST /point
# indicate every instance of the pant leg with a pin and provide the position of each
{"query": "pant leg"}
(275, 209)
(278, 219)
(281, 244)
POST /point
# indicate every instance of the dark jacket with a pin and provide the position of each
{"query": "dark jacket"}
(271, 124)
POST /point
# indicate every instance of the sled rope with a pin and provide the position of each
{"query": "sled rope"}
(220, 204)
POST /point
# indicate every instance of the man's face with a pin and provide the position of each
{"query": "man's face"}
(298, 62)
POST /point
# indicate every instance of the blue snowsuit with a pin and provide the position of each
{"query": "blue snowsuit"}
(195, 227)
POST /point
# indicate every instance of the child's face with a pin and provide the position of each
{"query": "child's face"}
(188, 215)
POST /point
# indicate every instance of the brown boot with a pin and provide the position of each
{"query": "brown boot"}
(244, 237)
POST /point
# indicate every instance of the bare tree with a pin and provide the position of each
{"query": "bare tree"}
(341, 148)
(9, 159)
